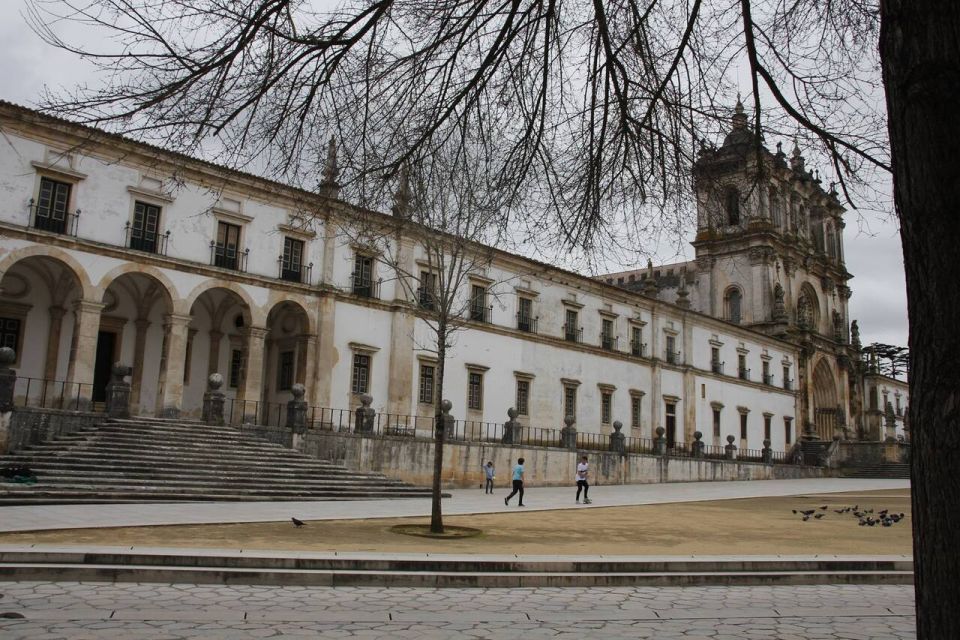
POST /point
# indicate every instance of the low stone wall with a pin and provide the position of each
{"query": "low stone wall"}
(276, 435)
(411, 460)
(860, 454)
(31, 426)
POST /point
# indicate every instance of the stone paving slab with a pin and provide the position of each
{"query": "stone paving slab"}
(462, 501)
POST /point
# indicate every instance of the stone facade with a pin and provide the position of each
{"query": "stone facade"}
(114, 251)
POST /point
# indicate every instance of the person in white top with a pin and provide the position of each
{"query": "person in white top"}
(583, 485)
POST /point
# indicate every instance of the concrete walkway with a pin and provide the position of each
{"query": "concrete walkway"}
(462, 501)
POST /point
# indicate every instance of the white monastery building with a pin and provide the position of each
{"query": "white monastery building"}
(116, 251)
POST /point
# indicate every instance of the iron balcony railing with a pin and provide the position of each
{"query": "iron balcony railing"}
(52, 394)
(768, 379)
(788, 384)
(228, 257)
(673, 357)
(426, 298)
(717, 367)
(481, 314)
(608, 342)
(294, 272)
(55, 220)
(365, 287)
(143, 240)
(743, 373)
(637, 348)
(572, 333)
(526, 323)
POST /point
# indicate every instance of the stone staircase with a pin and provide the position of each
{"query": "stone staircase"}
(150, 459)
(888, 471)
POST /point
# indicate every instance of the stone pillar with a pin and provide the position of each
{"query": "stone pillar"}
(140, 327)
(617, 439)
(696, 449)
(175, 329)
(53, 342)
(511, 428)
(326, 354)
(8, 381)
(213, 401)
(365, 415)
(297, 410)
(83, 350)
(730, 451)
(568, 435)
(118, 392)
(251, 392)
(213, 354)
(660, 442)
(767, 453)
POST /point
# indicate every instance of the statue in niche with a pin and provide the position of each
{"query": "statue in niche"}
(837, 326)
(779, 308)
(804, 313)
(855, 335)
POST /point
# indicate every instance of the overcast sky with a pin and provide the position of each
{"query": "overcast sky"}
(872, 243)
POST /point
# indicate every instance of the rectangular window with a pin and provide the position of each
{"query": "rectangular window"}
(715, 365)
(570, 402)
(743, 426)
(145, 229)
(226, 252)
(635, 412)
(475, 391)
(671, 423)
(786, 378)
(636, 341)
(236, 367)
(767, 378)
(671, 349)
(478, 304)
(742, 370)
(788, 430)
(766, 427)
(291, 265)
(426, 295)
(523, 397)
(285, 370)
(10, 333)
(51, 212)
(361, 373)
(606, 335)
(363, 275)
(525, 314)
(427, 373)
(716, 424)
(571, 330)
(606, 407)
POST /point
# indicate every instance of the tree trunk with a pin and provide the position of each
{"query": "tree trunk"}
(439, 433)
(920, 56)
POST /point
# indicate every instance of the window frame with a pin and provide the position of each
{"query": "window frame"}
(291, 267)
(286, 369)
(360, 373)
(428, 378)
(474, 390)
(522, 397)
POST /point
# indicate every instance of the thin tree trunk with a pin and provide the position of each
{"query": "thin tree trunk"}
(436, 514)
(920, 55)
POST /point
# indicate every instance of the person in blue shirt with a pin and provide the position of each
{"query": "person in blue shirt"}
(517, 483)
(489, 471)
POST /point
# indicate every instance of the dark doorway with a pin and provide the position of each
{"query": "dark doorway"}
(106, 340)
(671, 425)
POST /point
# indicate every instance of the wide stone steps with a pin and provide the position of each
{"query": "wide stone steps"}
(894, 471)
(162, 460)
(206, 566)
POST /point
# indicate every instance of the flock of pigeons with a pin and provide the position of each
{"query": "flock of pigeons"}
(865, 517)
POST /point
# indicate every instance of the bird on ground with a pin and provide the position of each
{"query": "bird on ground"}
(839, 510)
(824, 507)
(819, 515)
(297, 523)
(808, 512)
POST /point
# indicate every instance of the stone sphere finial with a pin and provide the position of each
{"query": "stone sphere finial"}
(7, 356)
(446, 406)
(766, 443)
(730, 439)
(366, 400)
(569, 420)
(120, 370)
(660, 431)
(617, 425)
(512, 413)
(214, 382)
(298, 391)
(697, 436)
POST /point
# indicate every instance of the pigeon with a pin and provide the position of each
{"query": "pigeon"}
(839, 510)
(824, 507)
(819, 515)
(808, 512)
(297, 523)
(805, 518)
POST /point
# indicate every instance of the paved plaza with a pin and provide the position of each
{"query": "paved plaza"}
(153, 612)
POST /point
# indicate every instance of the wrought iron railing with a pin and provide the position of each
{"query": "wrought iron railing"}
(526, 323)
(143, 240)
(608, 342)
(365, 287)
(717, 367)
(638, 348)
(294, 272)
(228, 256)
(55, 220)
(572, 333)
(52, 394)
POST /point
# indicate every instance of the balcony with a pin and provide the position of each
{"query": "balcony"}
(293, 272)
(365, 287)
(788, 384)
(426, 299)
(54, 220)
(526, 323)
(481, 314)
(608, 342)
(637, 348)
(717, 367)
(673, 357)
(572, 333)
(228, 257)
(743, 373)
(768, 379)
(143, 240)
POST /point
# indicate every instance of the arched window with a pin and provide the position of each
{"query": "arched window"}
(773, 200)
(732, 302)
(732, 206)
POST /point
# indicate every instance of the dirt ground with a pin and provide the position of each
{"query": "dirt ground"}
(754, 526)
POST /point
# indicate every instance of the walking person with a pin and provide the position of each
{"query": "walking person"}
(583, 470)
(489, 472)
(517, 483)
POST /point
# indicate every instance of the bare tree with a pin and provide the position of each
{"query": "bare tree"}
(592, 112)
(437, 248)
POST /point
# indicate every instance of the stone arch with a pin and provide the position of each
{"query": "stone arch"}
(168, 289)
(255, 314)
(808, 308)
(89, 292)
(827, 413)
(733, 304)
(290, 349)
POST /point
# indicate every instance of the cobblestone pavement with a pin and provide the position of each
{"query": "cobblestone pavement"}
(161, 611)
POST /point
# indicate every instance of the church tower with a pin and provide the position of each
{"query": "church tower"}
(769, 255)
